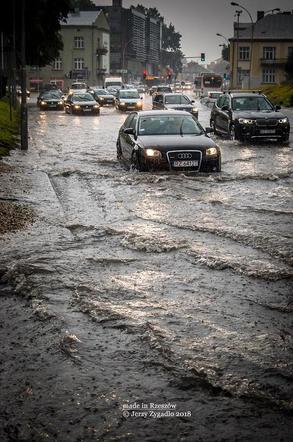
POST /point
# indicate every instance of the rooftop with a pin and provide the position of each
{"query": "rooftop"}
(271, 26)
(81, 18)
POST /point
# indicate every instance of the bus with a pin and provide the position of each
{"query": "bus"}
(207, 82)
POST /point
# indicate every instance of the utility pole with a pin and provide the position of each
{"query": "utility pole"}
(23, 108)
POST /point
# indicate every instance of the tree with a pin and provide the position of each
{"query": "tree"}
(83, 5)
(171, 38)
(226, 53)
(42, 21)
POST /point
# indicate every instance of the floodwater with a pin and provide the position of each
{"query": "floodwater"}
(176, 289)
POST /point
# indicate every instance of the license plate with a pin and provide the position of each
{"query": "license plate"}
(87, 110)
(52, 105)
(267, 131)
(185, 164)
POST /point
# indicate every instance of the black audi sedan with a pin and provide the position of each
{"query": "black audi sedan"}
(175, 101)
(167, 140)
(248, 116)
(50, 100)
(81, 104)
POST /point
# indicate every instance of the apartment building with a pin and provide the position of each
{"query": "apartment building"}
(135, 41)
(85, 55)
(259, 51)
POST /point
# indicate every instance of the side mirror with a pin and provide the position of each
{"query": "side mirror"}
(129, 131)
(277, 107)
(209, 130)
(225, 108)
(192, 101)
(141, 98)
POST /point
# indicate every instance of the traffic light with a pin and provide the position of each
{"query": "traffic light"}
(202, 56)
(145, 73)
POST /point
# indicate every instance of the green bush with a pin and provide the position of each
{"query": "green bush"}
(9, 128)
(281, 94)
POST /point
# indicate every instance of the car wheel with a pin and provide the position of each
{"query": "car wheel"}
(119, 150)
(136, 163)
(232, 133)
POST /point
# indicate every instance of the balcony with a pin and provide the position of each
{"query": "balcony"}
(102, 51)
(274, 62)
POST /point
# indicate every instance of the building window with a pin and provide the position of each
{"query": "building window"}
(78, 64)
(269, 53)
(78, 42)
(242, 75)
(57, 64)
(268, 76)
(244, 53)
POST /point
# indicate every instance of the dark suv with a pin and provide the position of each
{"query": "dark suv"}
(248, 115)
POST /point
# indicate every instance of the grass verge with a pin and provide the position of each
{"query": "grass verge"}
(9, 128)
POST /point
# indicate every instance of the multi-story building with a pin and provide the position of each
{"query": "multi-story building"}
(85, 55)
(259, 51)
(135, 41)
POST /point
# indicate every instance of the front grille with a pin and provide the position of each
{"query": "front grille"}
(266, 122)
(184, 157)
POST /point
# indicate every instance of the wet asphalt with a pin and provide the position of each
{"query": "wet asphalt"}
(132, 289)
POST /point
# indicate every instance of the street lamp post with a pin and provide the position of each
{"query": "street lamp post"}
(223, 36)
(251, 39)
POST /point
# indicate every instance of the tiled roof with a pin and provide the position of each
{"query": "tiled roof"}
(81, 18)
(271, 26)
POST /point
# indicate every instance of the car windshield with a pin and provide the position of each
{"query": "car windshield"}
(128, 94)
(214, 95)
(101, 92)
(176, 99)
(79, 86)
(51, 95)
(254, 103)
(82, 97)
(164, 89)
(169, 125)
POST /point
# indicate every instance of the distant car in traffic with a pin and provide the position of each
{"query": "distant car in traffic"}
(102, 96)
(174, 101)
(152, 90)
(50, 100)
(18, 92)
(248, 116)
(78, 88)
(162, 89)
(211, 97)
(80, 103)
(128, 99)
(141, 88)
(167, 140)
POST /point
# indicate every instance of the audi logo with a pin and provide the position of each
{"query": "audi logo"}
(184, 156)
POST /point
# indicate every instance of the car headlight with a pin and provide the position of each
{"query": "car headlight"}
(76, 106)
(139, 104)
(96, 106)
(211, 151)
(246, 121)
(153, 153)
(60, 102)
(122, 103)
(43, 102)
(194, 109)
(101, 98)
(283, 120)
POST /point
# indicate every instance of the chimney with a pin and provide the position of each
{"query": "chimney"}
(260, 15)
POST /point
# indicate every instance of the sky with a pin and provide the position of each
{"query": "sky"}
(199, 20)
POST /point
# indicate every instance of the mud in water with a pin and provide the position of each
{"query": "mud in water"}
(139, 288)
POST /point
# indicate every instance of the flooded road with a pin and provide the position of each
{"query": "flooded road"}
(159, 288)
